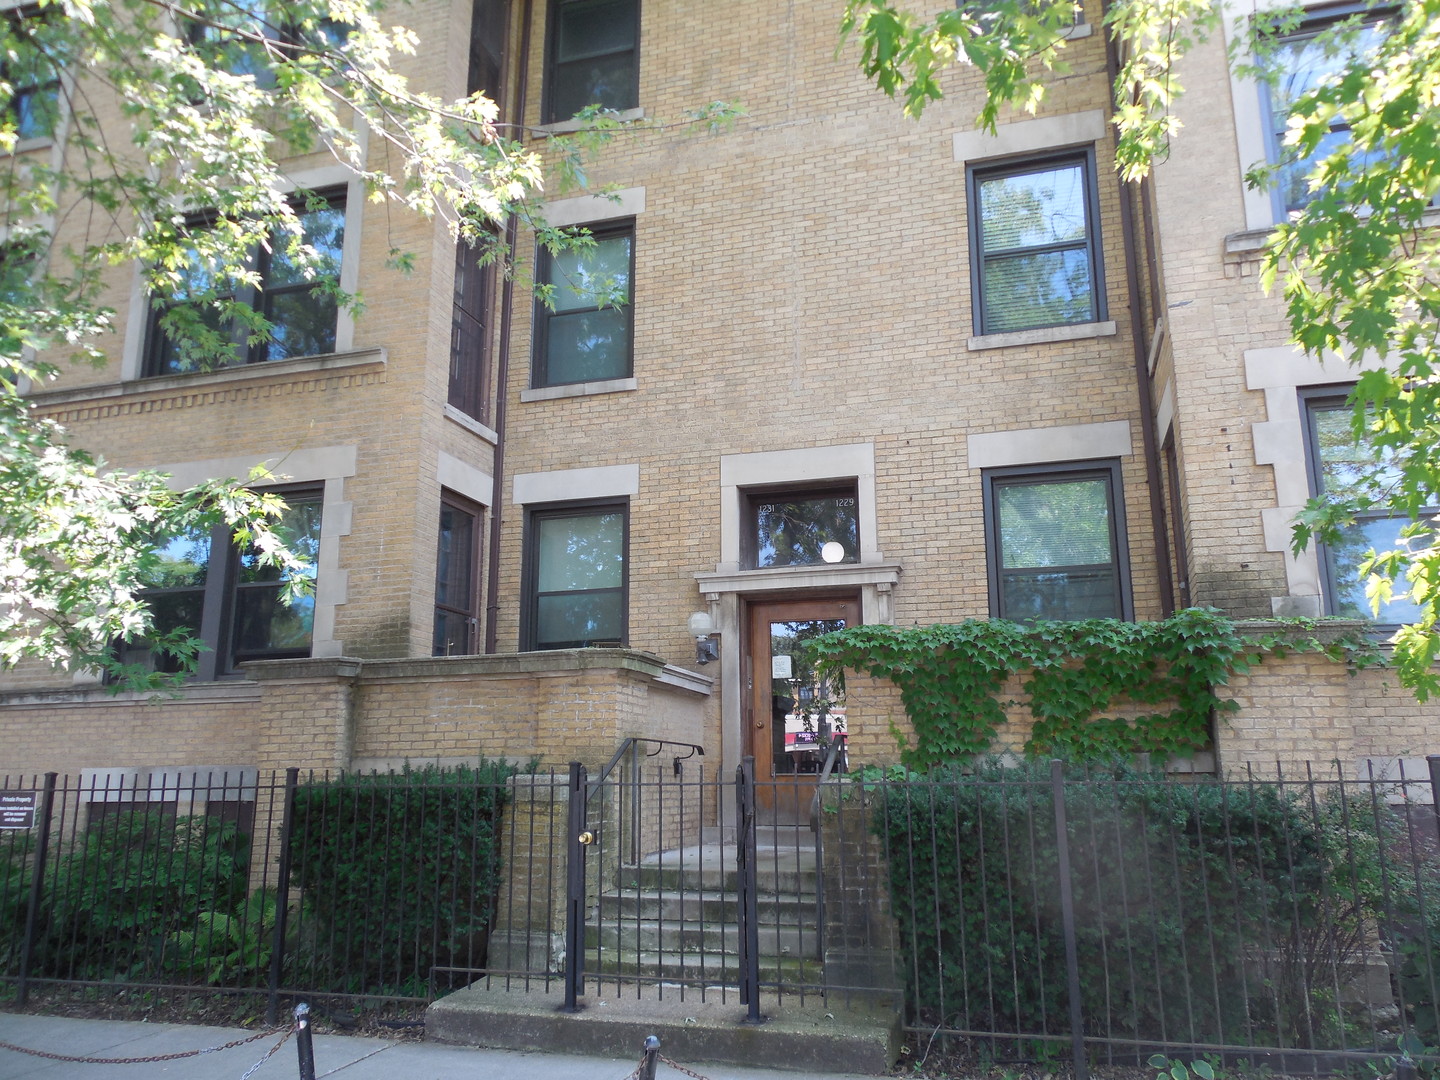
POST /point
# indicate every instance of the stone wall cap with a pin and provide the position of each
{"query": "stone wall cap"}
(310, 667)
(555, 662)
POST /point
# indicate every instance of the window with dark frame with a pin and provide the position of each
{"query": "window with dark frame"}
(1034, 244)
(1055, 543)
(813, 525)
(300, 305)
(212, 34)
(457, 578)
(227, 598)
(489, 25)
(1300, 59)
(1338, 462)
(576, 585)
(593, 57)
(586, 333)
(32, 72)
(470, 332)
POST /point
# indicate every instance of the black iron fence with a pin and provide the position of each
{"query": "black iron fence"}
(1023, 912)
(1289, 920)
(288, 883)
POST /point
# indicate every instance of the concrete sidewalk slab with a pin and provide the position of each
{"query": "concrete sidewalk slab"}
(340, 1056)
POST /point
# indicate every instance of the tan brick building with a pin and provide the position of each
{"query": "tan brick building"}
(870, 369)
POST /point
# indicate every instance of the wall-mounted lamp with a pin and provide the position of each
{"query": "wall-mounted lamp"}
(702, 626)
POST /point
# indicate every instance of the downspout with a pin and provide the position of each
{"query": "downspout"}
(1150, 449)
(502, 362)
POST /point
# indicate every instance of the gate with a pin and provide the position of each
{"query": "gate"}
(674, 886)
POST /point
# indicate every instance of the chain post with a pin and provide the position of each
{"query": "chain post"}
(37, 887)
(651, 1058)
(304, 1047)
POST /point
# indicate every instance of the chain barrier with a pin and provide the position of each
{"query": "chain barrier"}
(154, 1057)
(268, 1054)
(638, 1072)
(681, 1068)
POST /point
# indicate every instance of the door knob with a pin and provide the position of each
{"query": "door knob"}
(586, 838)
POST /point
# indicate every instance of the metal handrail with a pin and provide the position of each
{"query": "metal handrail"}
(837, 743)
(630, 743)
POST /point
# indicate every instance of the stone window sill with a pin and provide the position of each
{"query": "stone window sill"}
(584, 389)
(565, 127)
(270, 369)
(470, 424)
(1043, 336)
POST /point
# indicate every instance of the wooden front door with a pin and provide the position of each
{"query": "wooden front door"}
(792, 712)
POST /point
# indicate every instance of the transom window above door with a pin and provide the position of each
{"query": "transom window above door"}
(803, 527)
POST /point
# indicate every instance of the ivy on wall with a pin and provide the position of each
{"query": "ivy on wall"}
(1074, 673)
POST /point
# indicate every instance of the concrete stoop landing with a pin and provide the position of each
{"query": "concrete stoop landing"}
(815, 1036)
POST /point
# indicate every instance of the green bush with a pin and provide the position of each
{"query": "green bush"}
(228, 948)
(1204, 912)
(400, 871)
(15, 848)
(132, 883)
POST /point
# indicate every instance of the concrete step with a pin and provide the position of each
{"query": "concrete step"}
(689, 937)
(784, 880)
(708, 906)
(699, 967)
(816, 1035)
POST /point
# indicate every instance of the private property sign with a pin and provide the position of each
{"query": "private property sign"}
(17, 809)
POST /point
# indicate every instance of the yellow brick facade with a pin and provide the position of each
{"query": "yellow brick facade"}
(802, 283)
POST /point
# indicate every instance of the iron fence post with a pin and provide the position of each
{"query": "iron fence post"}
(304, 1046)
(282, 895)
(746, 884)
(1067, 919)
(575, 845)
(37, 888)
(1433, 760)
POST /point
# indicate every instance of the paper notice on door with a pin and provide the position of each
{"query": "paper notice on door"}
(780, 667)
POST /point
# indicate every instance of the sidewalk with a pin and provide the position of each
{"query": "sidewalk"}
(335, 1055)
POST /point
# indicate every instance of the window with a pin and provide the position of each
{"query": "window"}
(1340, 463)
(470, 332)
(1055, 542)
(1034, 246)
(594, 56)
(457, 596)
(33, 74)
(807, 527)
(1301, 58)
(489, 24)
(587, 335)
(301, 305)
(227, 598)
(212, 35)
(575, 595)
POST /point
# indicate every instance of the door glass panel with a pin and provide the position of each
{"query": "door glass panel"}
(806, 709)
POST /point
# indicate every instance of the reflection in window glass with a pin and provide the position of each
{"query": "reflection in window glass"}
(222, 595)
(190, 332)
(1300, 61)
(1056, 540)
(592, 56)
(1345, 466)
(586, 336)
(1034, 241)
(792, 529)
(578, 579)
